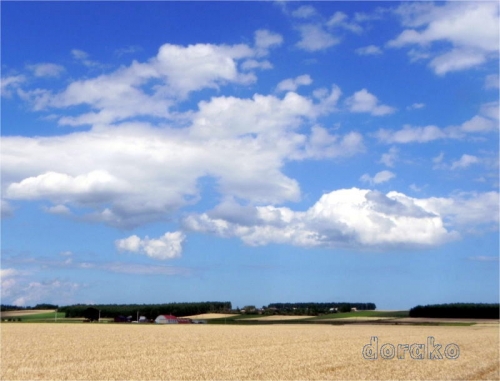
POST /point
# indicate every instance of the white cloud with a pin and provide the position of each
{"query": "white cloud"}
(79, 54)
(321, 144)
(314, 38)
(363, 101)
(265, 40)
(168, 246)
(254, 64)
(199, 66)
(304, 12)
(415, 188)
(83, 57)
(62, 187)
(464, 162)
(466, 210)
(6, 273)
(369, 50)
(46, 70)
(411, 134)
(380, 177)
(20, 291)
(339, 20)
(390, 157)
(491, 81)
(132, 243)
(58, 209)
(470, 28)
(151, 88)
(456, 60)
(416, 106)
(11, 83)
(355, 218)
(133, 173)
(490, 110)
(292, 84)
(484, 122)
(438, 159)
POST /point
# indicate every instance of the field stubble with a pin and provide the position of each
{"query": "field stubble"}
(220, 352)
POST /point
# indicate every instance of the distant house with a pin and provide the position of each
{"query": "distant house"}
(354, 309)
(166, 319)
(184, 320)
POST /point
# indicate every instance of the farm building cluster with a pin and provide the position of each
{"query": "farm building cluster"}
(161, 319)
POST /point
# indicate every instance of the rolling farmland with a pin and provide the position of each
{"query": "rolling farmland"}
(206, 352)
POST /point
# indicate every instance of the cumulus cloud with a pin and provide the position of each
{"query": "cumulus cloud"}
(153, 87)
(62, 187)
(363, 101)
(380, 177)
(133, 173)
(466, 210)
(354, 218)
(168, 246)
(292, 84)
(20, 291)
(200, 66)
(469, 28)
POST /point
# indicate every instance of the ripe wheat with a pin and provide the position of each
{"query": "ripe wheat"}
(221, 352)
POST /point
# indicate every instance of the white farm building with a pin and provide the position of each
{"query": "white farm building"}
(166, 319)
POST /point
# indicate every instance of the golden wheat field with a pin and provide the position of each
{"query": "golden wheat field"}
(237, 352)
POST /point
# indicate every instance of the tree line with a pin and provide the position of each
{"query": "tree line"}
(150, 311)
(41, 306)
(318, 308)
(457, 310)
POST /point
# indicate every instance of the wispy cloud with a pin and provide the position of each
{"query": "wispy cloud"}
(483, 258)
(370, 50)
(46, 70)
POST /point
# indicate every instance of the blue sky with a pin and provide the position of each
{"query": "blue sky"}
(250, 152)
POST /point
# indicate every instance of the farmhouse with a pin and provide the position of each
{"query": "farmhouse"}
(166, 319)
